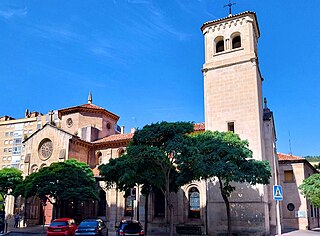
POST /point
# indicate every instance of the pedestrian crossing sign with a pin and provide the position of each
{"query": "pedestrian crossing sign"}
(277, 193)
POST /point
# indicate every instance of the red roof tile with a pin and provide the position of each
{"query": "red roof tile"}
(115, 137)
(87, 107)
(289, 157)
(199, 127)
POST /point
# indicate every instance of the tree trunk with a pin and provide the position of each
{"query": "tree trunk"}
(146, 208)
(227, 203)
(171, 220)
(169, 207)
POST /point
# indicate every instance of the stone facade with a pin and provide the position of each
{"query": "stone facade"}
(233, 102)
(297, 211)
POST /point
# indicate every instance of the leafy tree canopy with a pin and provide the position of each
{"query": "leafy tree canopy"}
(150, 157)
(226, 156)
(151, 160)
(9, 179)
(223, 156)
(310, 188)
(69, 180)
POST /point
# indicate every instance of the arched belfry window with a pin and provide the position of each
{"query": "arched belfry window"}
(236, 42)
(194, 203)
(219, 45)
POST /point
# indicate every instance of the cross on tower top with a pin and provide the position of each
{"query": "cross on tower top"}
(230, 7)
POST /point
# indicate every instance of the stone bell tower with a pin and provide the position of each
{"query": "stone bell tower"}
(233, 102)
(232, 79)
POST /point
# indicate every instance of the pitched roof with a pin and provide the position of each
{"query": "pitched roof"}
(87, 108)
(289, 157)
(115, 137)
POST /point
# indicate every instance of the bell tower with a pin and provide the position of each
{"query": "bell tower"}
(233, 102)
(232, 79)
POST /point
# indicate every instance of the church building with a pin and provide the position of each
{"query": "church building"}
(233, 101)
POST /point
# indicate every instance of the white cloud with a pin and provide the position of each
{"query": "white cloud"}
(11, 12)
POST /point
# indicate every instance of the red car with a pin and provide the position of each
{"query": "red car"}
(62, 227)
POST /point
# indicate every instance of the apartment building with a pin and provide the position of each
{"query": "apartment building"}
(13, 131)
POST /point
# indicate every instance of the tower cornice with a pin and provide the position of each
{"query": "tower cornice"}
(227, 20)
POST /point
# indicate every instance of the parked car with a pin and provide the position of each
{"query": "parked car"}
(129, 227)
(89, 227)
(62, 227)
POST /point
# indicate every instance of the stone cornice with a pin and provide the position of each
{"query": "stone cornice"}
(227, 21)
(206, 69)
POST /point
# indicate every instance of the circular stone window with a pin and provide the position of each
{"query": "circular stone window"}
(108, 126)
(69, 122)
(45, 149)
(290, 207)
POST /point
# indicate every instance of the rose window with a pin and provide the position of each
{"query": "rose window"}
(45, 149)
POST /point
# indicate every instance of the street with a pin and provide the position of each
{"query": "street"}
(38, 230)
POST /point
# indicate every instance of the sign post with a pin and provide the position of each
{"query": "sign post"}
(278, 196)
(133, 197)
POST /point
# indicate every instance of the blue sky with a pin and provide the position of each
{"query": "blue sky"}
(142, 60)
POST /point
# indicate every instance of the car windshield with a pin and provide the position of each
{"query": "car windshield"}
(59, 223)
(132, 226)
(88, 224)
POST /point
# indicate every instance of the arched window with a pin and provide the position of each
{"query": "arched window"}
(43, 165)
(236, 42)
(128, 206)
(34, 168)
(220, 46)
(120, 152)
(194, 203)
(98, 160)
(102, 203)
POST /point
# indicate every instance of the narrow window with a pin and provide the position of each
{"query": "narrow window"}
(288, 176)
(120, 152)
(102, 203)
(220, 46)
(231, 127)
(194, 203)
(236, 42)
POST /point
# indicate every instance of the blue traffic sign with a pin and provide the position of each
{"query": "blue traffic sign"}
(277, 193)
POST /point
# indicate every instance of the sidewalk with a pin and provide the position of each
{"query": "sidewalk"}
(41, 230)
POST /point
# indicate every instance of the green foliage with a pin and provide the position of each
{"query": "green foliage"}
(226, 156)
(313, 158)
(223, 156)
(10, 178)
(310, 188)
(69, 180)
(150, 158)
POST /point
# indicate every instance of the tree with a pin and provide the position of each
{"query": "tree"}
(127, 172)
(154, 151)
(60, 182)
(10, 178)
(310, 188)
(225, 157)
